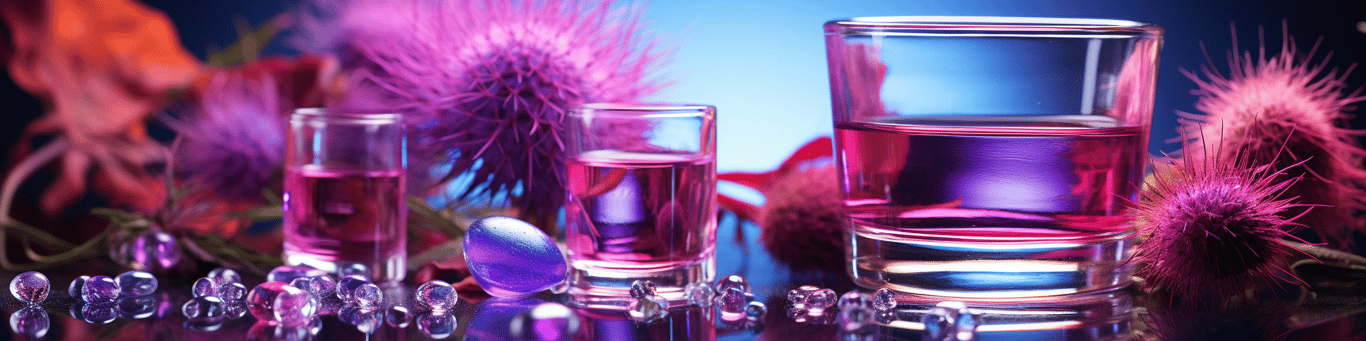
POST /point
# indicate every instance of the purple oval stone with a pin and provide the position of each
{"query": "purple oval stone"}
(511, 258)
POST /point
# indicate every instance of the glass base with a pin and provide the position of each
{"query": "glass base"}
(391, 269)
(992, 270)
(1091, 317)
(609, 288)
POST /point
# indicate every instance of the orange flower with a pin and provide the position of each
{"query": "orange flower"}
(101, 67)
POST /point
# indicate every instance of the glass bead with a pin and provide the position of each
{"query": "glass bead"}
(287, 273)
(203, 307)
(99, 313)
(648, 309)
(100, 290)
(436, 295)
(77, 285)
(732, 282)
(854, 299)
(436, 326)
(349, 314)
(884, 299)
(397, 317)
(330, 305)
(357, 269)
(950, 320)
(367, 322)
(700, 294)
(641, 289)
(294, 307)
(797, 297)
(369, 297)
(732, 303)
(31, 322)
(797, 313)
(302, 284)
(511, 258)
(136, 283)
(153, 250)
(203, 325)
(756, 310)
(136, 307)
(821, 299)
(232, 292)
(30, 287)
(321, 286)
(204, 286)
(235, 309)
(75, 309)
(347, 286)
(221, 276)
(885, 316)
(261, 299)
(855, 317)
(545, 322)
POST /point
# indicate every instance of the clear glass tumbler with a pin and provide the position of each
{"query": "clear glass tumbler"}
(991, 158)
(642, 199)
(344, 195)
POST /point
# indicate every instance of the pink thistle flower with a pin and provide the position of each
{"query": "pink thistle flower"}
(1214, 227)
(229, 138)
(1253, 110)
(489, 82)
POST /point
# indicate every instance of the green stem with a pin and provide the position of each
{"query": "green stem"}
(17, 176)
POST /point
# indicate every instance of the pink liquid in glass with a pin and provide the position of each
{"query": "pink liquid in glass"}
(638, 214)
(344, 216)
(1009, 209)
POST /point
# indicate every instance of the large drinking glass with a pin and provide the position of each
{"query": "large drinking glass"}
(991, 158)
(642, 199)
(344, 192)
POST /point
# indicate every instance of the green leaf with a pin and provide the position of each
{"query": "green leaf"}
(248, 47)
(439, 221)
(435, 253)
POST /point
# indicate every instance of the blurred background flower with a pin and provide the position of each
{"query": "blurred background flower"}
(488, 82)
(101, 68)
(230, 135)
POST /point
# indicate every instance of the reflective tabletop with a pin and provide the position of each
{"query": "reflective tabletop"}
(1118, 315)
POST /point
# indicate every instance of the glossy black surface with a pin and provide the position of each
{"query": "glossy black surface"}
(1113, 316)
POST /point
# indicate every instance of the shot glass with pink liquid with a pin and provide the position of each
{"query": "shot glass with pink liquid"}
(642, 199)
(987, 159)
(344, 192)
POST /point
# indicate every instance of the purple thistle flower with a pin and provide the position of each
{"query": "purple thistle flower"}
(1255, 109)
(1214, 227)
(488, 83)
(229, 138)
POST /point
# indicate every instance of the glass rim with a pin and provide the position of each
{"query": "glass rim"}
(988, 26)
(345, 116)
(644, 110)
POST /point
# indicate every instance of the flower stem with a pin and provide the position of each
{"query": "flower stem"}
(17, 176)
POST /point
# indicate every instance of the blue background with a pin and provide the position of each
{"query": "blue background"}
(762, 62)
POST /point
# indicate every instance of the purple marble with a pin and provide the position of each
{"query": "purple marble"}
(136, 283)
(30, 287)
(286, 273)
(511, 258)
(100, 290)
(261, 299)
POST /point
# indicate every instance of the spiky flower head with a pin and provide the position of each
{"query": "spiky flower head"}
(489, 82)
(801, 221)
(1281, 100)
(229, 138)
(1214, 227)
